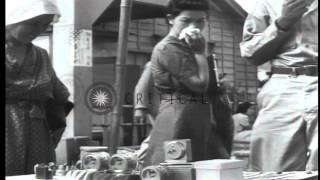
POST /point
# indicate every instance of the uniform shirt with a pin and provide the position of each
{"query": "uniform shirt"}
(294, 48)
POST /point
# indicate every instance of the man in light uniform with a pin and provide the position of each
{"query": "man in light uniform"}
(146, 103)
(285, 33)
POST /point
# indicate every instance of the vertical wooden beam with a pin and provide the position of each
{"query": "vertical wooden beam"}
(125, 17)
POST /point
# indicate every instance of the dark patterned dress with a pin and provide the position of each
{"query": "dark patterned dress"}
(28, 87)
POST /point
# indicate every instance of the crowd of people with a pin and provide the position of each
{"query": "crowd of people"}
(281, 36)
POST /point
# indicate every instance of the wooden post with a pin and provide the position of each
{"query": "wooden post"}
(125, 17)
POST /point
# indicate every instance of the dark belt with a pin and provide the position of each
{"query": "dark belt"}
(184, 97)
(295, 71)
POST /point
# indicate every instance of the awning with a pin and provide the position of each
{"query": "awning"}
(92, 12)
(147, 9)
(141, 9)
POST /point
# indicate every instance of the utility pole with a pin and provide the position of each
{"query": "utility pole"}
(125, 18)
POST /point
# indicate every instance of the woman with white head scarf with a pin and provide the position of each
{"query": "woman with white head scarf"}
(31, 89)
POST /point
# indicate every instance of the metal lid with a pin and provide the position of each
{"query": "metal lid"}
(93, 148)
(175, 150)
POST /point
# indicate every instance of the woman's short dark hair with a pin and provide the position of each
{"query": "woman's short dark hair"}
(174, 7)
(243, 107)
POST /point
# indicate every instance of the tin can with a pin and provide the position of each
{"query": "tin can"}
(123, 163)
(154, 173)
(61, 170)
(43, 172)
(85, 150)
(96, 161)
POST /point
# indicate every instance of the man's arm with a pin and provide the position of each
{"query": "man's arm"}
(142, 88)
(262, 38)
(141, 94)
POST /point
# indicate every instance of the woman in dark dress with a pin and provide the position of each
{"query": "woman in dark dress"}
(180, 72)
(30, 84)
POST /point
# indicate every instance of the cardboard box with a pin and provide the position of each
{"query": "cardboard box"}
(219, 169)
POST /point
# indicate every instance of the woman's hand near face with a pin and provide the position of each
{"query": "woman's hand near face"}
(196, 42)
(188, 26)
(194, 38)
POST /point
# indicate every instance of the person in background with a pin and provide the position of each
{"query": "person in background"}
(241, 118)
(33, 90)
(243, 121)
(284, 33)
(146, 104)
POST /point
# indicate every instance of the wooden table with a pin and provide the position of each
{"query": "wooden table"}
(247, 176)
(97, 176)
(24, 177)
(30, 177)
(294, 175)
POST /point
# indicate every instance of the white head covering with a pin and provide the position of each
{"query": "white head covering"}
(22, 10)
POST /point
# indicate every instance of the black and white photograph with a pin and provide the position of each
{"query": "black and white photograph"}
(161, 90)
